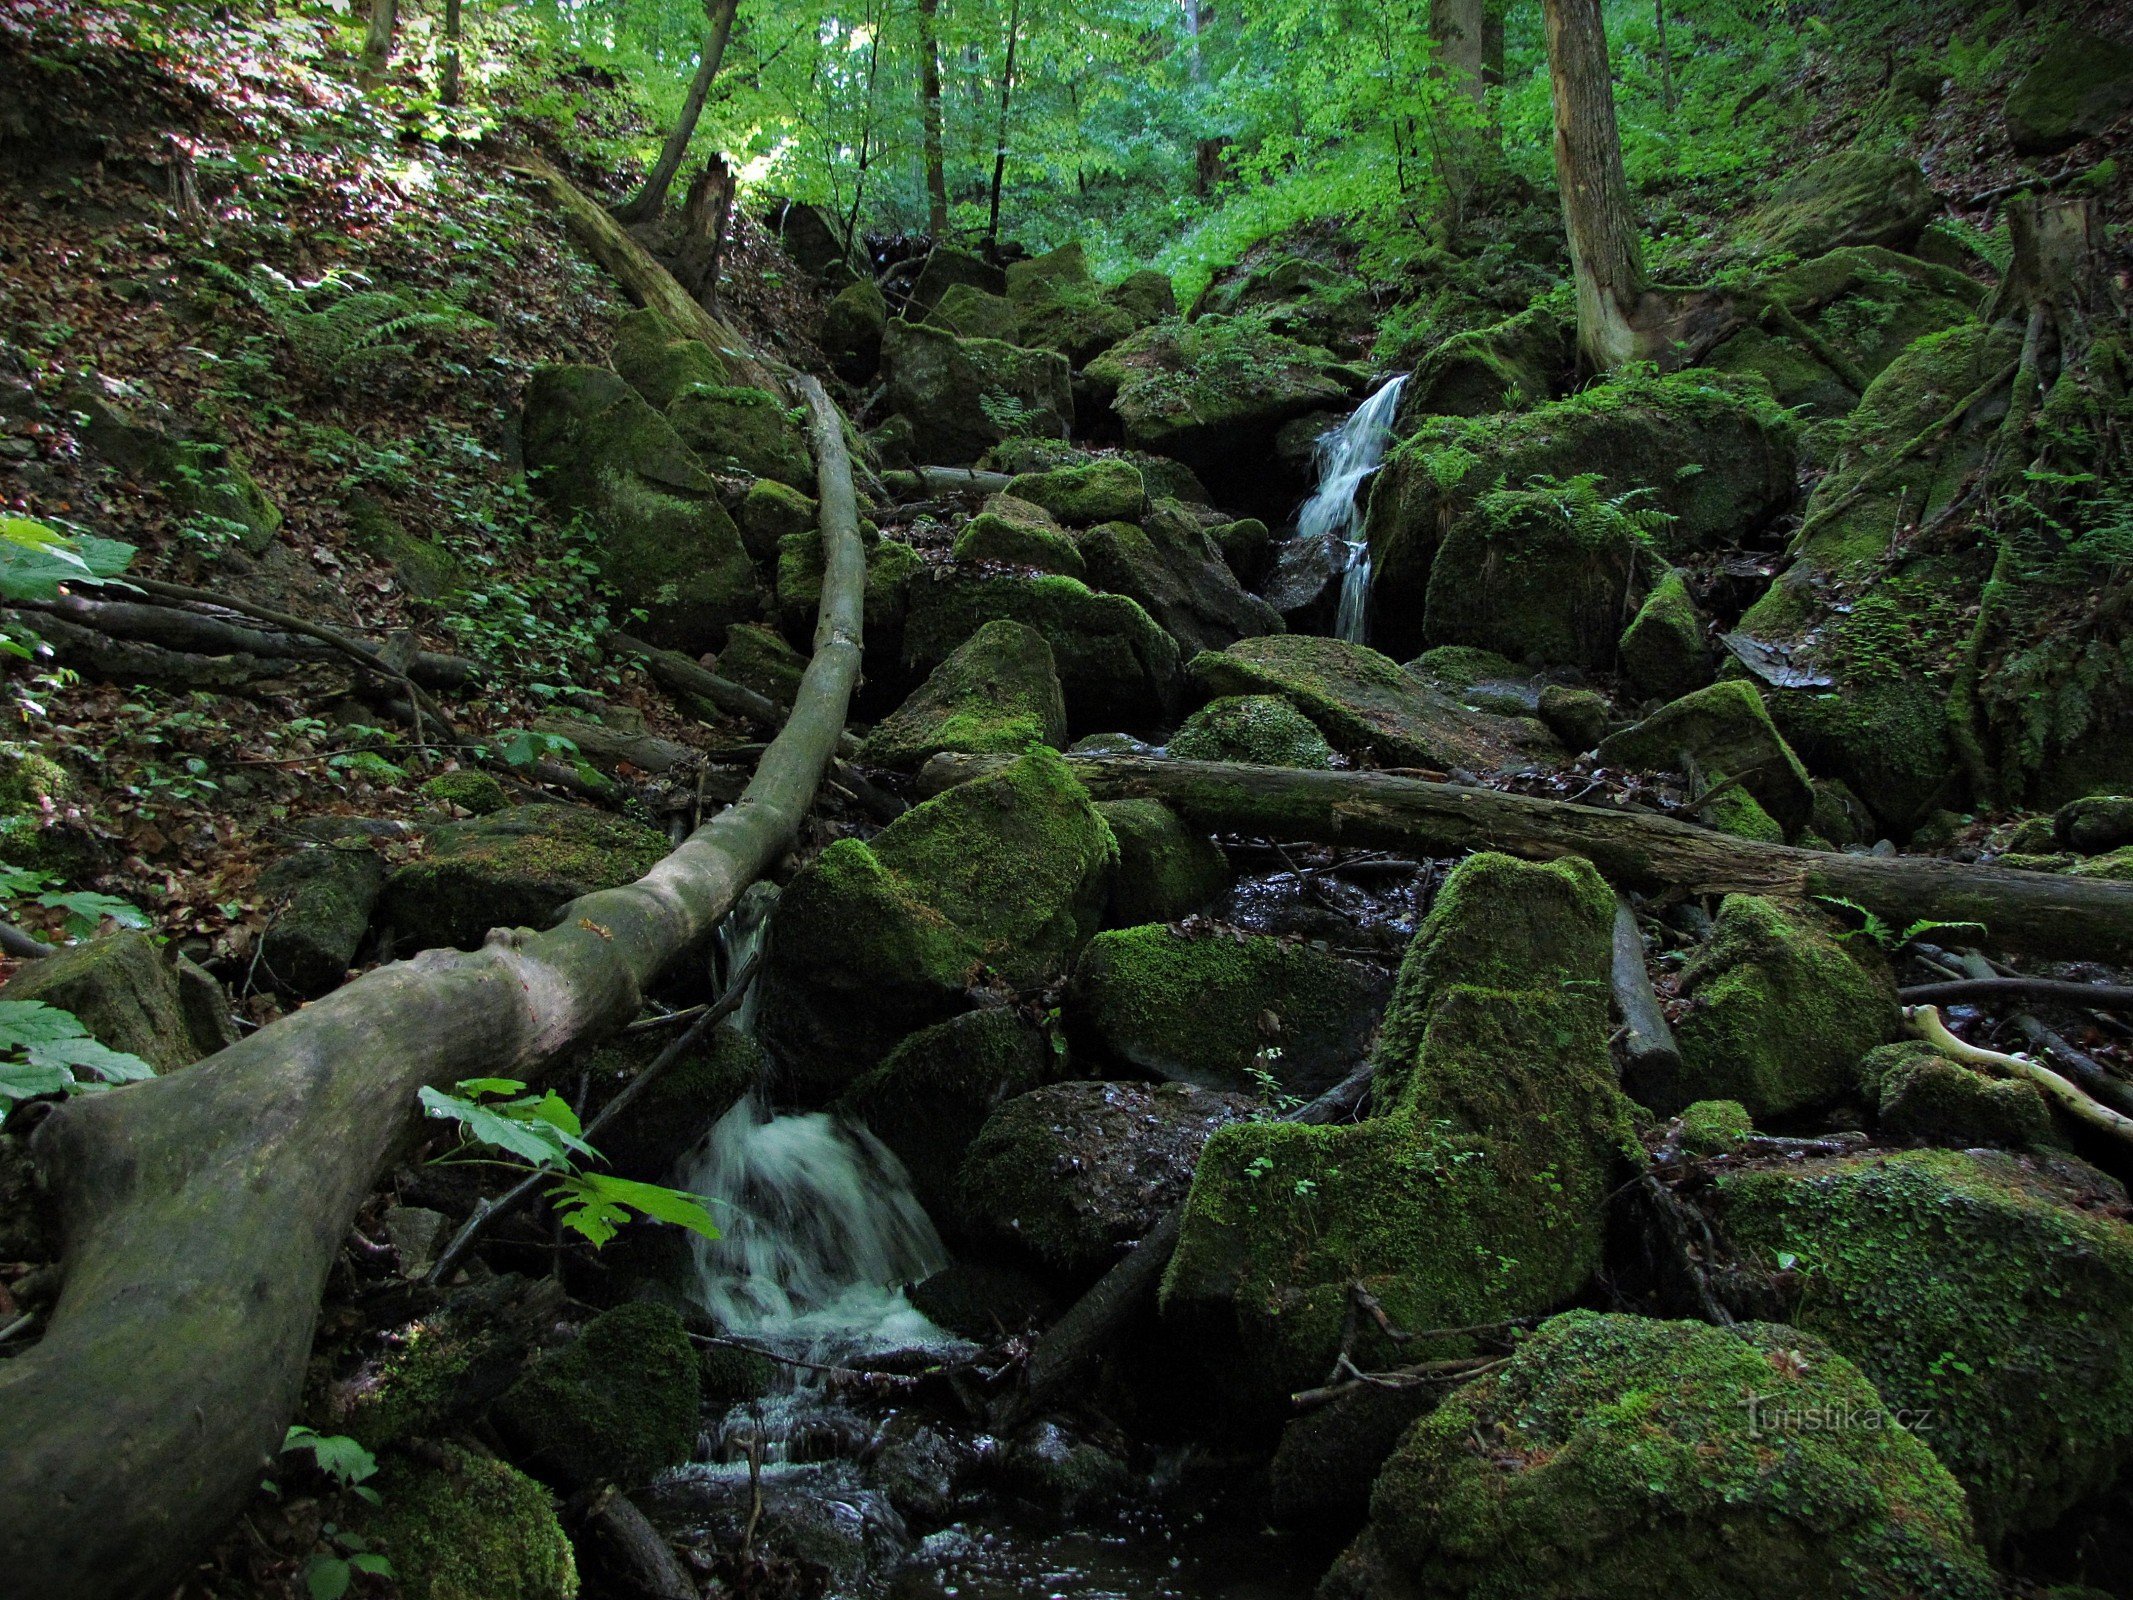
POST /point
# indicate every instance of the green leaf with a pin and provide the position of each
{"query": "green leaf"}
(23, 1081)
(27, 1022)
(538, 1142)
(376, 1565)
(475, 1088)
(86, 911)
(327, 1577)
(596, 1205)
(113, 1066)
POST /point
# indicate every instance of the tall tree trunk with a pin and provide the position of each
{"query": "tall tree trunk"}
(999, 146)
(1208, 164)
(448, 89)
(378, 40)
(1604, 249)
(929, 115)
(866, 130)
(646, 204)
(1460, 30)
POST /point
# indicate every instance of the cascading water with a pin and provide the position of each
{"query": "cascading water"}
(1347, 456)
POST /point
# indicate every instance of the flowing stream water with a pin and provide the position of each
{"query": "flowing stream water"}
(1347, 456)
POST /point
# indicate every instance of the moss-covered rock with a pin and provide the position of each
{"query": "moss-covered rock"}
(1107, 489)
(1146, 296)
(852, 326)
(1922, 1097)
(1368, 706)
(731, 1377)
(1618, 1457)
(1508, 365)
(932, 1093)
(1260, 728)
(1170, 564)
(1535, 574)
(1011, 532)
(1077, 1173)
(469, 1527)
(892, 567)
(1578, 717)
(659, 360)
(1781, 1010)
(2094, 823)
(517, 868)
(1165, 869)
(944, 269)
(758, 658)
(998, 692)
(1478, 1189)
(1855, 196)
(43, 826)
(1663, 650)
(1059, 306)
(2079, 87)
(746, 430)
(768, 513)
(319, 902)
(1212, 1007)
(667, 545)
(2115, 866)
(964, 395)
(1306, 293)
(1008, 874)
(1725, 731)
(122, 992)
(970, 313)
(657, 1128)
(201, 477)
(466, 789)
(1988, 1290)
(616, 1405)
(1118, 669)
(1713, 1127)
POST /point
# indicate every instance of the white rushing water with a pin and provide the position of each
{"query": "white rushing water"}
(1347, 456)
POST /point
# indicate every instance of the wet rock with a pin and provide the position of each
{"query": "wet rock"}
(1076, 1173)
(466, 1526)
(1059, 306)
(745, 430)
(1725, 731)
(1011, 532)
(731, 1377)
(2081, 85)
(852, 326)
(1006, 875)
(1855, 197)
(659, 360)
(2095, 823)
(122, 992)
(919, 1469)
(1983, 1289)
(1064, 1475)
(1305, 585)
(1922, 1097)
(1108, 489)
(1173, 568)
(319, 901)
(616, 1405)
(518, 868)
(1780, 1012)
(944, 385)
(660, 1125)
(998, 692)
(1259, 728)
(1211, 1008)
(768, 512)
(1663, 651)
(1509, 365)
(1247, 544)
(971, 313)
(1527, 1481)
(1165, 869)
(984, 1301)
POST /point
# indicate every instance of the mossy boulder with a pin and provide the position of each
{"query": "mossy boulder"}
(852, 326)
(1855, 196)
(43, 824)
(659, 360)
(813, 235)
(997, 693)
(1173, 568)
(1011, 532)
(1005, 875)
(964, 395)
(1369, 707)
(1713, 1127)
(1988, 1290)
(1210, 1006)
(666, 544)
(516, 868)
(1724, 731)
(1077, 1173)
(1116, 666)
(1508, 365)
(2080, 86)
(1478, 1189)
(1259, 728)
(970, 313)
(768, 513)
(1059, 306)
(1107, 489)
(1165, 869)
(616, 1405)
(1617, 1457)
(1663, 652)
(1780, 1011)
(932, 1093)
(946, 268)
(731, 1377)
(758, 658)
(200, 477)
(743, 429)
(658, 1128)
(1922, 1097)
(465, 1526)
(466, 789)
(1578, 717)
(1146, 296)
(892, 568)
(122, 992)
(319, 901)
(1306, 293)
(2094, 823)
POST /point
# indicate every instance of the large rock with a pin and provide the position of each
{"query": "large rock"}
(852, 326)
(1118, 669)
(1508, 365)
(1988, 1292)
(1214, 1007)
(1920, 1096)
(653, 1133)
(999, 693)
(1014, 533)
(946, 268)
(962, 396)
(461, 1525)
(892, 568)
(971, 313)
(1003, 877)
(1077, 1173)
(1368, 706)
(1307, 294)
(1663, 650)
(319, 901)
(1059, 306)
(122, 992)
(1478, 1189)
(1619, 1457)
(1723, 731)
(1259, 728)
(1170, 564)
(812, 235)
(666, 544)
(2081, 85)
(616, 1405)
(745, 430)
(1108, 489)
(659, 360)
(1856, 196)
(516, 868)
(200, 476)
(1165, 869)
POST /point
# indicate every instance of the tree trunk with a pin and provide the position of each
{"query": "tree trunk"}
(448, 87)
(1208, 154)
(704, 217)
(646, 204)
(866, 132)
(378, 40)
(1666, 63)
(999, 148)
(204, 1210)
(2045, 914)
(929, 115)
(1458, 27)
(1604, 250)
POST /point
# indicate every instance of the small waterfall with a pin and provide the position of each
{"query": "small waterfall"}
(1347, 456)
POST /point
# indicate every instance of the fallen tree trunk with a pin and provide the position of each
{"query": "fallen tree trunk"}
(945, 480)
(677, 674)
(204, 1209)
(2043, 913)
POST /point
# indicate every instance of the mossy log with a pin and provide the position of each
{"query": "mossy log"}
(204, 1209)
(2044, 914)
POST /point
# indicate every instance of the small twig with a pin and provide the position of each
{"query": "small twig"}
(17, 1326)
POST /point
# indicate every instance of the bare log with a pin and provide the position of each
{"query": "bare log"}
(630, 1553)
(2106, 996)
(203, 1210)
(1924, 1021)
(677, 674)
(1647, 1039)
(945, 480)
(2043, 913)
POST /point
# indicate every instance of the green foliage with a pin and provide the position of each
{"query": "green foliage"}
(332, 1570)
(1884, 933)
(86, 909)
(43, 1049)
(37, 559)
